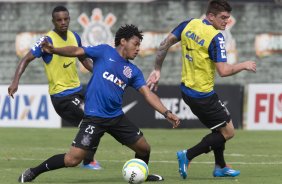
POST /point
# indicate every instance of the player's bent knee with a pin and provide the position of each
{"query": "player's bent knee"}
(229, 135)
(228, 132)
(72, 161)
(146, 150)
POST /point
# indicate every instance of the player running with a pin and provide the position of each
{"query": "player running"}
(203, 52)
(112, 74)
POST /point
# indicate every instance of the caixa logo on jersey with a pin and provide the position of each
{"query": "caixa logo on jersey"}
(114, 79)
(31, 107)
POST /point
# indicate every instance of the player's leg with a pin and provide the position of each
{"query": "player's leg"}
(130, 135)
(70, 108)
(127, 133)
(142, 149)
(221, 168)
(213, 115)
(70, 159)
(84, 141)
(219, 155)
(89, 139)
(90, 162)
(210, 142)
(77, 110)
(228, 133)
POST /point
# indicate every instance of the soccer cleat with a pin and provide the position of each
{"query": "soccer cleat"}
(183, 163)
(26, 176)
(225, 172)
(94, 165)
(154, 177)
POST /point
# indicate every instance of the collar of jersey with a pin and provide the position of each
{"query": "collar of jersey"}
(121, 58)
(205, 21)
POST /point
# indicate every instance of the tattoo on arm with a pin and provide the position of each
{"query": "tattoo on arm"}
(162, 50)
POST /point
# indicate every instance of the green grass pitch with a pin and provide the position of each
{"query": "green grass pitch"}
(258, 154)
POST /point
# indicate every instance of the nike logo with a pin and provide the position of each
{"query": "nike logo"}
(126, 108)
(138, 133)
(67, 65)
(22, 179)
(230, 171)
(112, 60)
(189, 49)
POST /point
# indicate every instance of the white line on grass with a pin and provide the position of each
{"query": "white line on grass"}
(159, 152)
(161, 161)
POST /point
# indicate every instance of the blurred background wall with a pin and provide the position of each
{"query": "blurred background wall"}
(254, 32)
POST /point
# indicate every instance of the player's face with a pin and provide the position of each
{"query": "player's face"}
(132, 47)
(220, 20)
(61, 21)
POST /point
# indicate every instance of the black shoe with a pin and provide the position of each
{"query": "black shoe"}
(154, 177)
(26, 176)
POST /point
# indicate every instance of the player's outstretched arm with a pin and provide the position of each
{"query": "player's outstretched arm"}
(224, 69)
(156, 103)
(154, 77)
(12, 89)
(69, 51)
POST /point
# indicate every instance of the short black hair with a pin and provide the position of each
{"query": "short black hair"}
(59, 9)
(217, 6)
(127, 32)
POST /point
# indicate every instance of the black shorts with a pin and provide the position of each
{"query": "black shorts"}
(70, 107)
(92, 129)
(210, 110)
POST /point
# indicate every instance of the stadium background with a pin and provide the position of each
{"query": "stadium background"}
(257, 154)
(254, 33)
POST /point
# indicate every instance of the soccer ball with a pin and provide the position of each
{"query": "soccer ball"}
(135, 171)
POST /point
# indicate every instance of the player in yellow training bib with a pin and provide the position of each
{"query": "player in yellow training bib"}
(64, 85)
(203, 52)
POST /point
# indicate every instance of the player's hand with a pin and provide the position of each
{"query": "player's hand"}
(12, 89)
(153, 79)
(46, 46)
(250, 66)
(173, 119)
